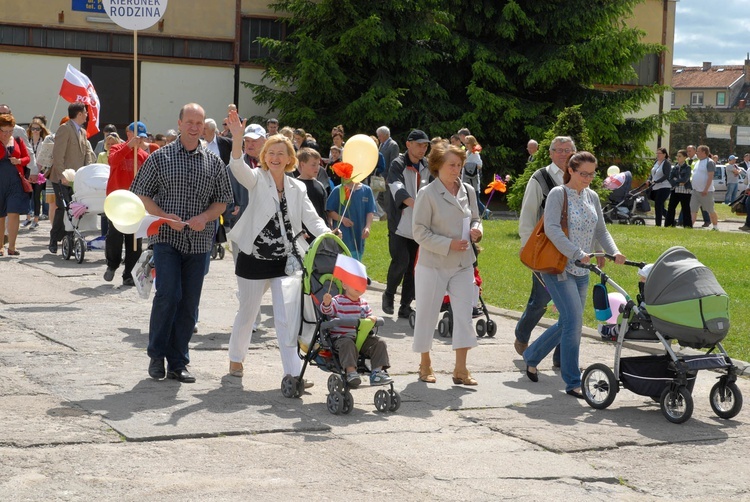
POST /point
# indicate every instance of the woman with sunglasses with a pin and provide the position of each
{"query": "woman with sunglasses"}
(568, 289)
(13, 199)
(36, 132)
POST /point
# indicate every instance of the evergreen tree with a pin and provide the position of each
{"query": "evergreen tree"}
(503, 68)
(570, 122)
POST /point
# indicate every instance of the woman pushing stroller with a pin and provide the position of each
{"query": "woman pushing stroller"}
(568, 289)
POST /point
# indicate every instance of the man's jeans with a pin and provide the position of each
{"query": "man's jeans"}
(535, 309)
(179, 281)
(569, 296)
(731, 193)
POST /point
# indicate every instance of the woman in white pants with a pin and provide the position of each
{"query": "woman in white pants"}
(446, 221)
(266, 234)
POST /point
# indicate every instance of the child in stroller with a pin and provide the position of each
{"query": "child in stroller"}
(315, 342)
(352, 306)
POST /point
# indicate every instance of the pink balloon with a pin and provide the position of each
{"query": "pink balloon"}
(615, 301)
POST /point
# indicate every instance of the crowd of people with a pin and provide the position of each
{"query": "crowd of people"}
(276, 191)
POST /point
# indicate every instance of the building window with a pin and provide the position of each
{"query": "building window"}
(671, 98)
(696, 99)
(721, 98)
(647, 70)
(254, 28)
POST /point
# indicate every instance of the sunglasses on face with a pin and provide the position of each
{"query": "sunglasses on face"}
(36, 128)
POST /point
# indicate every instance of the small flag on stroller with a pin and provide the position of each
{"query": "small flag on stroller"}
(350, 272)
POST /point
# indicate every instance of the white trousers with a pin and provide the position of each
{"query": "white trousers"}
(430, 287)
(286, 314)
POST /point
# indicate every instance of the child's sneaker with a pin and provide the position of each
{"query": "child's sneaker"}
(608, 332)
(380, 378)
(353, 380)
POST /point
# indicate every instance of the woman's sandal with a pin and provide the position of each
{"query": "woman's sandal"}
(13, 253)
(426, 374)
(236, 369)
(464, 378)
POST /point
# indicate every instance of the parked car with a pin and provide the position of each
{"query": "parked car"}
(720, 182)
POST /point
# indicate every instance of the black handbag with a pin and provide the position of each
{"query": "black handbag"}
(738, 205)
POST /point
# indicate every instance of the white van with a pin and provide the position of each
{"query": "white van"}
(720, 182)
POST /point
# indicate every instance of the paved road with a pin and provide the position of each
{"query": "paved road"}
(81, 420)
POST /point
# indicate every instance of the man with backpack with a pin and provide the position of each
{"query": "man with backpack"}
(532, 209)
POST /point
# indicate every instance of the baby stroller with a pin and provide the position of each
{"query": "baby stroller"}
(484, 326)
(681, 301)
(315, 347)
(83, 210)
(624, 204)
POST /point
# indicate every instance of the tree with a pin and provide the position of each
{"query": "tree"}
(570, 122)
(503, 68)
(361, 64)
(692, 131)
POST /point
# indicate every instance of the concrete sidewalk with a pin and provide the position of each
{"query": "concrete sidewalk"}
(80, 419)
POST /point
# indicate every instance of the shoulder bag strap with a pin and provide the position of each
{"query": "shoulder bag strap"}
(564, 214)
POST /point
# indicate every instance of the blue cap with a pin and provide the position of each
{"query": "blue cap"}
(141, 129)
(732, 157)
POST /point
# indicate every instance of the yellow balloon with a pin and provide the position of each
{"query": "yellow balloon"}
(362, 153)
(612, 170)
(124, 209)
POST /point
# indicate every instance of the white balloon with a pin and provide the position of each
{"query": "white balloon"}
(612, 170)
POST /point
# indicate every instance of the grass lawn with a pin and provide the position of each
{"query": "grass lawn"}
(507, 282)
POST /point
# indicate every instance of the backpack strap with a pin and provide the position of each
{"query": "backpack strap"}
(547, 185)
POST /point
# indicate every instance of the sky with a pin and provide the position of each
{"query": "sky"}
(711, 30)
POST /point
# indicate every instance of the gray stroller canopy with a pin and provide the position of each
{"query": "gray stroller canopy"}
(676, 276)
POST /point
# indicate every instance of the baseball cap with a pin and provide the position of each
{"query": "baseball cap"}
(732, 157)
(418, 136)
(141, 129)
(255, 131)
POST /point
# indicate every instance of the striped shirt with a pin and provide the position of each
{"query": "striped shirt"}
(343, 307)
(186, 184)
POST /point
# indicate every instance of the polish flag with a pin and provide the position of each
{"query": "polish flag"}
(77, 87)
(350, 272)
(150, 226)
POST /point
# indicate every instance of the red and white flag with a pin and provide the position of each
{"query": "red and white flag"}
(350, 272)
(150, 226)
(78, 87)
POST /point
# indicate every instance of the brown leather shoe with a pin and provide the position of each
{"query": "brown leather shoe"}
(520, 346)
(426, 374)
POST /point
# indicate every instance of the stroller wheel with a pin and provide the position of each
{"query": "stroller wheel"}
(639, 221)
(347, 403)
(335, 383)
(599, 386)
(481, 328)
(443, 327)
(395, 401)
(412, 319)
(383, 400)
(335, 402)
(676, 405)
(726, 403)
(491, 328)
(213, 251)
(79, 249)
(289, 387)
(67, 246)
(222, 252)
